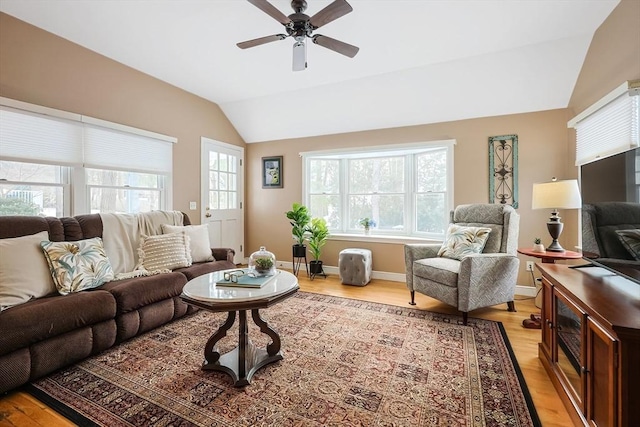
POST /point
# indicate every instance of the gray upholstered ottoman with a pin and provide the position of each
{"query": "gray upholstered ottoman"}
(355, 266)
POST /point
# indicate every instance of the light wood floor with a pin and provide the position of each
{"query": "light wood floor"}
(21, 409)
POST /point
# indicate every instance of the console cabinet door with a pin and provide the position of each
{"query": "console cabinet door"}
(601, 376)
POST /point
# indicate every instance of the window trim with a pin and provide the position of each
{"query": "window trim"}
(409, 236)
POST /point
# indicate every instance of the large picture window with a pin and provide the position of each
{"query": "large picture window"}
(406, 191)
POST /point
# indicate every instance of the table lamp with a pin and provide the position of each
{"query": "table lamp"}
(556, 195)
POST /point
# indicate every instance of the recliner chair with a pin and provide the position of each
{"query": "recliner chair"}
(477, 280)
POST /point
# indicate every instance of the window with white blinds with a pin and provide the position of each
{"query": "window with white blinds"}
(133, 166)
(610, 127)
(38, 137)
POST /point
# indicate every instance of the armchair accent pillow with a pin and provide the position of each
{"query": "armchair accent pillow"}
(198, 240)
(630, 239)
(164, 252)
(76, 266)
(461, 241)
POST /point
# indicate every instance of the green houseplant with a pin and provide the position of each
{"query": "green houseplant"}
(299, 218)
(537, 245)
(318, 235)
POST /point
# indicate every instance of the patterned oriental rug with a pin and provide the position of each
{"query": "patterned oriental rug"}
(346, 363)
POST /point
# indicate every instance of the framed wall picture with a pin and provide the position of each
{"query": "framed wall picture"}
(503, 169)
(272, 172)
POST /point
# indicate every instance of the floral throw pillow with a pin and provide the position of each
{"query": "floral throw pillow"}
(630, 239)
(76, 266)
(461, 241)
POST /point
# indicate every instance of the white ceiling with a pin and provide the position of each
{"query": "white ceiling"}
(420, 61)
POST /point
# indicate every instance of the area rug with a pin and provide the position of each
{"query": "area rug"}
(346, 363)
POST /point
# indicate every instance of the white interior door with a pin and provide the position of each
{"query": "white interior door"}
(223, 195)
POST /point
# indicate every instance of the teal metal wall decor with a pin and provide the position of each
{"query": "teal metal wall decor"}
(503, 170)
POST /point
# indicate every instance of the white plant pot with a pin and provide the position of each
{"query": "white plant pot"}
(539, 248)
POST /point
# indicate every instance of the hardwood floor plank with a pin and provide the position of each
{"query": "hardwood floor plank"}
(21, 409)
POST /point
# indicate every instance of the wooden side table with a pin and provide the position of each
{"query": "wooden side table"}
(547, 257)
(550, 257)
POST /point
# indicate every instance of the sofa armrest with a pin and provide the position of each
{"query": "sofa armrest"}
(223, 254)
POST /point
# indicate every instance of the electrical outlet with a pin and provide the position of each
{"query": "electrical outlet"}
(529, 265)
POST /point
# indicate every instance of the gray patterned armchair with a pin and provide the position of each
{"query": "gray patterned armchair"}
(477, 280)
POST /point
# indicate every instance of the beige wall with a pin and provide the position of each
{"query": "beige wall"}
(43, 69)
(542, 154)
(613, 56)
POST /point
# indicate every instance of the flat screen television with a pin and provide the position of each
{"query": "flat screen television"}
(610, 189)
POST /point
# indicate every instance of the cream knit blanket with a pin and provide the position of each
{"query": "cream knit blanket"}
(121, 237)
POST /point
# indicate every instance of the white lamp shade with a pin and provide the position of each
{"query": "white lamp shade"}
(556, 195)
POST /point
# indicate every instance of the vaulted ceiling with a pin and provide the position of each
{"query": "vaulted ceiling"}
(420, 61)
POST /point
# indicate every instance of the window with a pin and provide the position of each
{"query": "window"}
(406, 190)
(610, 126)
(33, 189)
(124, 192)
(49, 158)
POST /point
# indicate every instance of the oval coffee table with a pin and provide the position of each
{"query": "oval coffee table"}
(243, 361)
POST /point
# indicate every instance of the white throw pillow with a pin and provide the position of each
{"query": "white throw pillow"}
(198, 240)
(164, 252)
(24, 273)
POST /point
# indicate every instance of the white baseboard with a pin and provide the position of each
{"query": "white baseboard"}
(528, 291)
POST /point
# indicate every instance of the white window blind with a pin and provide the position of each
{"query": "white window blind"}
(610, 129)
(37, 137)
(112, 149)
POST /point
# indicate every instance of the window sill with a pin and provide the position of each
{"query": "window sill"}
(379, 238)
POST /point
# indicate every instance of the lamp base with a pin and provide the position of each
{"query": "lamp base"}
(555, 247)
(555, 229)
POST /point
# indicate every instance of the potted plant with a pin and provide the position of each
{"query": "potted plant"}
(367, 223)
(537, 245)
(299, 218)
(318, 235)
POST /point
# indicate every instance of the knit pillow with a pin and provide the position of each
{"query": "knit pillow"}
(630, 239)
(461, 241)
(164, 252)
(198, 240)
(76, 266)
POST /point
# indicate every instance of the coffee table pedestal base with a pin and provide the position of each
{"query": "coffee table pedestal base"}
(228, 363)
(244, 360)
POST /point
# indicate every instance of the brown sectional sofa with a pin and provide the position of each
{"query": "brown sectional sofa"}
(46, 334)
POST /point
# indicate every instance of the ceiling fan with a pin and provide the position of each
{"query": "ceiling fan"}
(300, 26)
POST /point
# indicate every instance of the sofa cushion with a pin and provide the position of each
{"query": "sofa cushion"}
(630, 239)
(76, 266)
(441, 270)
(131, 294)
(47, 317)
(199, 269)
(198, 240)
(461, 241)
(24, 273)
(163, 252)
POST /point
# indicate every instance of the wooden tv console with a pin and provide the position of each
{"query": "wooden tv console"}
(591, 343)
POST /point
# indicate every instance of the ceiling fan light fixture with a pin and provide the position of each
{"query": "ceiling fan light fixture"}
(301, 26)
(299, 56)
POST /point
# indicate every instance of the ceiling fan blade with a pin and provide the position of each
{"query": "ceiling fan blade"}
(343, 48)
(271, 10)
(262, 40)
(330, 13)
